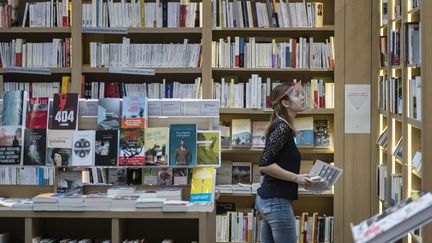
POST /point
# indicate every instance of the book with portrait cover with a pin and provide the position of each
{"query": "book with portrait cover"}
(165, 177)
(34, 147)
(208, 148)
(106, 147)
(131, 147)
(83, 148)
(11, 138)
(108, 114)
(14, 107)
(37, 113)
(182, 144)
(59, 147)
(134, 112)
(65, 111)
(156, 142)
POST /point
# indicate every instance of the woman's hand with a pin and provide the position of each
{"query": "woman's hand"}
(303, 180)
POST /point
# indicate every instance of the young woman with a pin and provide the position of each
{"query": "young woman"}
(280, 164)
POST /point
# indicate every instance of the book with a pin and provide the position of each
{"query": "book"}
(37, 113)
(108, 114)
(241, 173)
(11, 138)
(305, 135)
(224, 173)
(83, 149)
(150, 176)
(134, 176)
(14, 107)
(225, 134)
(180, 176)
(165, 177)
(208, 148)
(34, 146)
(69, 181)
(241, 132)
(182, 144)
(106, 147)
(65, 111)
(258, 133)
(321, 133)
(131, 147)
(134, 112)
(117, 176)
(156, 140)
(59, 147)
(171, 107)
(327, 173)
(202, 185)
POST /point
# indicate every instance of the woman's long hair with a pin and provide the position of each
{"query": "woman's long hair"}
(278, 94)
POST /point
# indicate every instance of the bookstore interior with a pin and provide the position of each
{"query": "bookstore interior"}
(131, 121)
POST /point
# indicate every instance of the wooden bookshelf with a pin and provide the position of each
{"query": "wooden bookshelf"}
(35, 30)
(87, 69)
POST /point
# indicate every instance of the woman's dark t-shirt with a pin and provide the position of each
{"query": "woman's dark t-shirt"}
(281, 149)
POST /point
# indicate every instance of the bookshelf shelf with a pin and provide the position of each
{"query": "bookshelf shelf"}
(268, 111)
(384, 113)
(384, 26)
(35, 30)
(416, 66)
(300, 194)
(52, 70)
(87, 69)
(415, 123)
(397, 117)
(415, 11)
(414, 172)
(155, 31)
(259, 150)
(399, 161)
(396, 67)
(396, 20)
(274, 70)
(273, 31)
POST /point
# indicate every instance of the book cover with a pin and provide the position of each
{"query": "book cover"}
(241, 132)
(154, 107)
(70, 181)
(59, 147)
(11, 138)
(202, 186)
(131, 146)
(224, 173)
(106, 147)
(65, 110)
(190, 107)
(150, 176)
(156, 142)
(321, 133)
(241, 172)
(14, 108)
(181, 176)
(225, 134)
(182, 144)
(108, 114)
(83, 149)
(165, 177)
(304, 126)
(37, 113)
(171, 107)
(134, 112)
(134, 176)
(208, 148)
(258, 133)
(34, 146)
(117, 176)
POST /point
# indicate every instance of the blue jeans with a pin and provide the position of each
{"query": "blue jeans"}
(278, 221)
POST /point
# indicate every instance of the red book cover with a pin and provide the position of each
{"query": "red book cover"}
(316, 98)
(37, 113)
(65, 109)
(111, 90)
(9, 15)
(18, 59)
(321, 102)
(294, 54)
(65, 21)
(83, 86)
(67, 44)
(183, 15)
(131, 146)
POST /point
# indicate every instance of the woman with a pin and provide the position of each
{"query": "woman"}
(280, 164)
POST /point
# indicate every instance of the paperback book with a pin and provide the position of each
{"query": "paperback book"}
(14, 103)
(241, 132)
(321, 133)
(258, 133)
(134, 112)
(165, 177)
(65, 110)
(202, 186)
(241, 173)
(37, 113)
(83, 150)
(106, 147)
(108, 114)
(150, 176)
(134, 176)
(182, 144)
(117, 176)
(208, 148)
(305, 135)
(11, 138)
(34, 147)
(70, 181)
(59, 147)
(156, 141)
(131, 146)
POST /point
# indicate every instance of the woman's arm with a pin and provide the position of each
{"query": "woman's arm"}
(274, 170)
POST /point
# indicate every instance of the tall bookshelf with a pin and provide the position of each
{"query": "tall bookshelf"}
(412, 131)
(333, 26)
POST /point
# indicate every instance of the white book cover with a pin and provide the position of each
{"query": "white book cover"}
(83, 149)
(171, 107)
(59, 147)
(258, 133)
(190, 107)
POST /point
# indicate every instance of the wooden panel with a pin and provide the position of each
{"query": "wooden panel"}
(76, 23)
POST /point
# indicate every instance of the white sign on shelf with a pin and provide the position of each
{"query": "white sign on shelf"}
(357, 108)
(134, 71)
(40, 71)
(106, 30)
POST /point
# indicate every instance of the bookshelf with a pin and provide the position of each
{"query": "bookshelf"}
(411, 130)
(341, 20)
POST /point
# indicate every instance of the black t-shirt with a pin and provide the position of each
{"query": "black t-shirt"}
(281, 149)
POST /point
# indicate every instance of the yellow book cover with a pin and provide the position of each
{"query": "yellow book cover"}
(208, 148)
(65, 84)
(202, 185)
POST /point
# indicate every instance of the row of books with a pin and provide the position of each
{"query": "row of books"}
(9, 14)
(40, 239)
(160, 90)
(40, 89)
(139, 14)
(126, 54)
(245, 14)
(245, 227)
(264, 53)
(245, 133)
(382, 182)
(18, 175)
(47, 14)
(395, 48)
(18, 53)
(413, 43)
(395, 95)
(415, 98)
(320, 94)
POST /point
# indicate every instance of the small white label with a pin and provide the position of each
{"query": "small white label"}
(135, 71)
(105, 30)
(41, 71)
